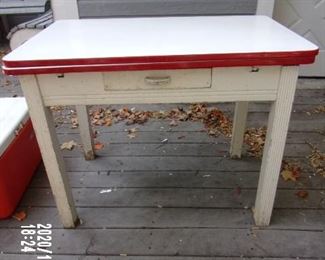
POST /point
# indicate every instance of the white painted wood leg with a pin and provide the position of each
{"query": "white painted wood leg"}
(85, 132)
(274, 146)
(238, 130)
(45, 132)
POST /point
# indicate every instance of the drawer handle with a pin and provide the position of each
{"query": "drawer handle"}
(158, 81)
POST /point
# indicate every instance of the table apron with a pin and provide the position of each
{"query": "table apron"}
(161, 86)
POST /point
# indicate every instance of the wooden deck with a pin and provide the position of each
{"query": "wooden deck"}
(182, 199)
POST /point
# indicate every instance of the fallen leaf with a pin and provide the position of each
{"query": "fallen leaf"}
(7, 83)
(215, 121)
(20, 215)
(290, 170)
(173, 123)
(159, 114)
(255, 139)
(108, 121)
(132, 130)
(68, 145)
(131, 136)
(288, 175)
(302, 194)
(74, 122)
(98, 146)
(132, 133)
(319, 109)
(238, 190)
(317, 160)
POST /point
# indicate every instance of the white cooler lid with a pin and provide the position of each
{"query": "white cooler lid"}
(13, 113)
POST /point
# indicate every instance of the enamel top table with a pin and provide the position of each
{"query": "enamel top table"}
(162, 60)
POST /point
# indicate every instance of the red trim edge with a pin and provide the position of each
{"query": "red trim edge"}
(284, 61)
(153, 59)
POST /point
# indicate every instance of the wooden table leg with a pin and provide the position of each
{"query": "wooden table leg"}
(85, 132)
(238, 129)
(274, 146)
(47, 139)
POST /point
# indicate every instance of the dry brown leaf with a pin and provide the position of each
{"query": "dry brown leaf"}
(317, 160)
(178, 114)
(74, 122)
(108, 121)
(68, 145)
(98, 117)
(173, 123)
(108, 116)
(288, 175)
(132, 133)
(215, 121)
(7, 82)
(20, 215)
(132, 130)
(159, 114)
(57, 108)
(98, 146)
(319, 109)
(255, 139)
(290, 171)
(131, 136)
(303, 194)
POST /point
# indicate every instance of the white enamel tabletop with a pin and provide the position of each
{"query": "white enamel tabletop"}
(166, 36)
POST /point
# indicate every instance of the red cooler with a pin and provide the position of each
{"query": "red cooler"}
(19, 153)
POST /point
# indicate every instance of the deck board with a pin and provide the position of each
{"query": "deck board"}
(182, 200)
(184, 242)
(284, 219)
(174, 198)
(177, 179)
(101, 257)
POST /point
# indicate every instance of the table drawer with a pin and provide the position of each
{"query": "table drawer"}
(264, 78)
(157, 79)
